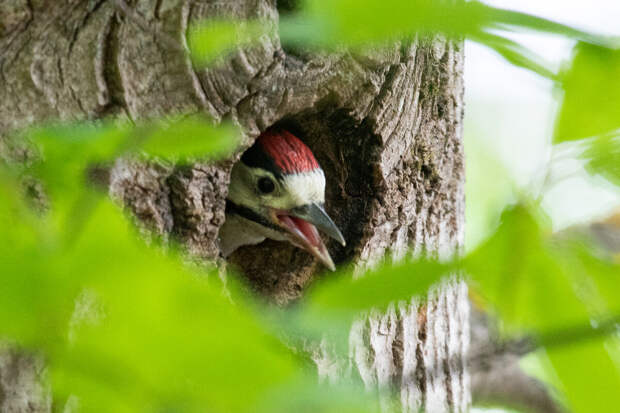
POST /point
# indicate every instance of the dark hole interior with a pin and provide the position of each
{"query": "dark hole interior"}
(287, 6)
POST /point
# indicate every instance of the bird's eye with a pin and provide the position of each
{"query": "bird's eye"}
(266, 185)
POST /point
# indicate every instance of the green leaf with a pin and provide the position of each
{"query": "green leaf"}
(515, 53)
(188, 137)
(367, 23)
(602, 156)
(556, 288)
(333, 304)
(153, 333)
(593, 269)
(338, 397)
(377, 288)
(214, 38)
(591, 94)
(67, 149)
(363, 23)
(516, 270)
(125, 328)
(588, 374)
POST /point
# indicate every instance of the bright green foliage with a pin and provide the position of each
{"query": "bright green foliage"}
(123, 326)
(359, 24)
(589, 376)
(69, 149)
(127, 327)
(332, 305)
(591, 94)
(602, 154)
(150, 332)
(187, 136)
(212, 38)
(341, 297)
(130, 328)
(554, 287)
(517, 270)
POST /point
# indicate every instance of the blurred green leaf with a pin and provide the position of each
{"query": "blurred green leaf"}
(130, 328)
(69, 151)
(515, 53)
(188, 137)
(152, 335)
(327, 398)
(377, 288)
(556, 288)
(364, 23)
(516, 270)
(213, 38)
(602, 156)
(486, 198)
(512, 20)
(589, 376)
(591, 94)
(35, 292)
(333, 304)
(166, 333)
(593, 270)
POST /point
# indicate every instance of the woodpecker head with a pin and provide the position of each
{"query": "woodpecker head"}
(278, 191)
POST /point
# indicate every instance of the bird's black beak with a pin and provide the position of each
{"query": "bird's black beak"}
(302, 223)
(316, 215)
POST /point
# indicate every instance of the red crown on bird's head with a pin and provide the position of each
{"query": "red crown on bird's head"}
(287, 151)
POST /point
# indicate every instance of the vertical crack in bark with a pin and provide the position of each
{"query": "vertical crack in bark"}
(382, 331)
(362, 354)
(420, 371)
(101, 61)
(111, 76)
(398, 349)
(61, 75)
(7, 39)
(371, 356)
(410, 394)
(157, 9)
(78, 28)
(448, 377)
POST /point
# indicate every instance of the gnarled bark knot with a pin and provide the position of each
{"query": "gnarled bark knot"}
(386, 127)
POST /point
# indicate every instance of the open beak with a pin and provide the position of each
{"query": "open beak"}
(301, 223)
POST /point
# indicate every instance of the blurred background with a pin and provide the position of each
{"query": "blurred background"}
(509, 121)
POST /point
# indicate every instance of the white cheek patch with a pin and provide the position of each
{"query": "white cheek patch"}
(305, 187)
(294, 190)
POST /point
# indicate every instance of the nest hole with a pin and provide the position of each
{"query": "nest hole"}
(345, 149)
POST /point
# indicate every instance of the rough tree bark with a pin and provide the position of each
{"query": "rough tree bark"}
(385, 126)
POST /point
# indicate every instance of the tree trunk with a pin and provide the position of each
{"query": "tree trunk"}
(385, 126)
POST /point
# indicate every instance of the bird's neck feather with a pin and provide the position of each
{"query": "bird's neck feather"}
(238, 231)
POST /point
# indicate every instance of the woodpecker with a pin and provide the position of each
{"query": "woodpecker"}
(277, 191)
